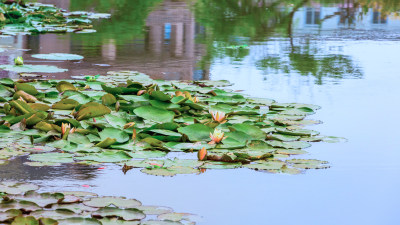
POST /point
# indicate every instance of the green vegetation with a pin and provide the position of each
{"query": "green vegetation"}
(21, 204)
(18, 17)
(129, 119)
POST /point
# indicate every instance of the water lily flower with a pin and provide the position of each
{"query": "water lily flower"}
(156, 165)
(202, 154)
(218, 116)
(217, 136)
(65, 127)
(141, 92)
(19, 61)
(194, 99)
(72, 130)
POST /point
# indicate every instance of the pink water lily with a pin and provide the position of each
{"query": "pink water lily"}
(65, 127)
(217, 136)
(202, 154)
(218, 116)
(194, 100)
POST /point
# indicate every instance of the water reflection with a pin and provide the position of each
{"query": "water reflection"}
(176, 39)
(17, 170)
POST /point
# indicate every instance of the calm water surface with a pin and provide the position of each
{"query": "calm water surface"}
(341, 55)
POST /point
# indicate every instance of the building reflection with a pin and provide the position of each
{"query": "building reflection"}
(166, 47)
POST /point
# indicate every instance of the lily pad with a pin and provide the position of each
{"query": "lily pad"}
(125, 214)
(154, 114)
(170, 171)
(147, 154)
(308, 163)
(107, 156)
(220, 165)
(32, 69)
(119, 135)
(197, 132)
(116, 221)
(79, 221)
(100, 202)
(14, 188)
(267, 165)
(58, 56)
(52, 157)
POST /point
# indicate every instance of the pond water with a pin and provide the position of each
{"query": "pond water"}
(341, 55)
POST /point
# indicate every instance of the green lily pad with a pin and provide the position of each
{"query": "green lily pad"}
(79, 221)
(55, 214)
(220, 165)
(160, 222)
(308, 163)
(116, 221)
(43, 199)
(154, 210)
(125, 214)
(21, 205)
(28, 220)
(52, 157)
(32, 69)
(178, 216)
(197, 132)
(289, 145)
(154, 114)
(147, 154)
(170, 171)
(266, 165)
(291, 152)
(65, 86)
(107, 156)
(100, 202)
(58, 56)
(15, 188)
(77, 208)
(253, 131)
(119, 135)
(40, 164)
(10, 214)
(91, 111)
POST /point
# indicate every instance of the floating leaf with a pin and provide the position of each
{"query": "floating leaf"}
(119, 135)
(170, 171)
(58, 56)
(92, 111)
(32, 69)
(65, 86)
(52, 157)
(79, 221)
(100, 202)
(254, 132)
(147, 154)
(220, 165)
(125, 214)
(308, 163)
(107, 156)
(14, 188)
(266, 165)
(197, 132)
(154, 114)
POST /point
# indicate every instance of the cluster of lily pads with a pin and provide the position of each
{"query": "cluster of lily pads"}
(20, 67)
(22, 204)
(129, 119)
(30, 18)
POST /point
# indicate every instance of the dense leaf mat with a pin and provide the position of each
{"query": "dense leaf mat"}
(132, 120)
(21, 204)
(34, 18)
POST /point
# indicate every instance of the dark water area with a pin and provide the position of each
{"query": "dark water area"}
(341, 55)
